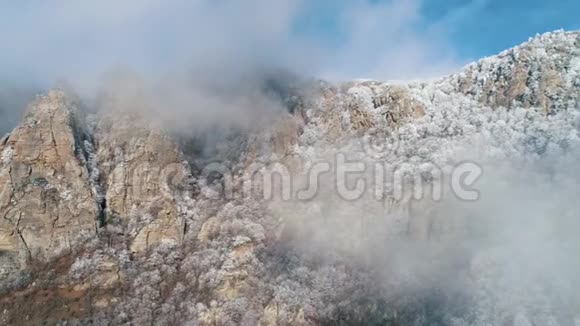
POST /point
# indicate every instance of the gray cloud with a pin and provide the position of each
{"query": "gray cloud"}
(191, 43)
(80, 40)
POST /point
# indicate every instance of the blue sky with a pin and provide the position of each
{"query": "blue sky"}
(384, 39)
(488, 27)
(474, 28)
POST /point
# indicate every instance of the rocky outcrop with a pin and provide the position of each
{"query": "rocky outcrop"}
(59, 181)
(144, 177)
(46, 198)
(358, 108)
(544, 72)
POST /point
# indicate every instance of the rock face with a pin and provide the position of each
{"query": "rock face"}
(46, 198)
(143, 174)
(54, 185)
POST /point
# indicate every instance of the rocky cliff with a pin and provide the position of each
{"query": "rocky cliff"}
(48, 199)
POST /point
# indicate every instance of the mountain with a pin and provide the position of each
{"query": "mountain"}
(112, 217)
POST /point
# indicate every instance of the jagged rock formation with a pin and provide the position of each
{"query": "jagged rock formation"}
(159, 247)
(46, 196)
(144, 174)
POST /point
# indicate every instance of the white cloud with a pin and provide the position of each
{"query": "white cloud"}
(79, 40)
(183, 44)
(392, 40)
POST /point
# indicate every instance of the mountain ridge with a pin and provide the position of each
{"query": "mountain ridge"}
(112, 208)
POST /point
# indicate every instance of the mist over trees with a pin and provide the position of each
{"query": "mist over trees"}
(166, 248)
